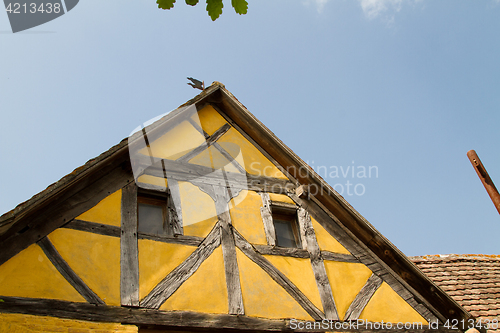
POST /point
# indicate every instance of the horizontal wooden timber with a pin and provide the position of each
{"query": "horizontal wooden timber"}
(175, 320)
(342, 257)
(110, 230)
(198, 174)
(281, 251)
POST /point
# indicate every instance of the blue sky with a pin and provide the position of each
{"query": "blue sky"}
(405, 86)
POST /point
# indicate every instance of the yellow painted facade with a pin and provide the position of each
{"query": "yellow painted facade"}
(96, 258)
(20, 323)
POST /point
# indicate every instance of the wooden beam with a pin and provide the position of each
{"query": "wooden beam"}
(184, 271)
(198, 174)
(235, 298)
(95, 228)
(129, 258)
(363, 297)
(277, 276)
(322, 282)
(68, 273)
(281, 251)
(267, 219)
(174, 208)
(208, 142)
(341, 257)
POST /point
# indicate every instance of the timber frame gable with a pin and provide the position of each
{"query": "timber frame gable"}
(60, 206)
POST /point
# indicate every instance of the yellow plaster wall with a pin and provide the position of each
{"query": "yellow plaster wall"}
(346, 280)
(388, 306)
(255, 162)
(209, 119)
(262, 296)
(107, 211)
(325, 241)
(31, 274)
(176, 142)
(205, 291)
(20, 323)
(300, 272)
(198, 210)
(245, 217)
(157, 260)
(95, 258)
(212, 158)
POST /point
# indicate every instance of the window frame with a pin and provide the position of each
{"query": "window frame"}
(285, 212)
(158, 199)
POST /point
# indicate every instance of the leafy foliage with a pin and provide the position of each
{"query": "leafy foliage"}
(214, 7)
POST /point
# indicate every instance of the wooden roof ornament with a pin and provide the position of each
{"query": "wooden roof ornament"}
(246, 240)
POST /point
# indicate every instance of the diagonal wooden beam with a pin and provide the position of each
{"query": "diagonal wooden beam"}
(68, 273)
(318, 267)
(184, 271)
(363, 297)
(277, 276)
(208, 142)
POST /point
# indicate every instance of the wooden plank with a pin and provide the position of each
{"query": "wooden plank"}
(95, 228)
(129, 258)
(198, 174)
(208, 142)
(68, 273)
(363, 297)
(341, 257)
(277, 276)
(184, 240)
(322, 282)
(281, 251)
(235, 298)
(184, 271)
(267, 219)
(174, 208)
(171, 320)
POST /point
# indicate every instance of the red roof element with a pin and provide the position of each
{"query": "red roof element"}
(473, 280)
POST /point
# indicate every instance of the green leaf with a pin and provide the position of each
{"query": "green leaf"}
(240, 6)
(192, 2)
(214, 8)
(165, 4)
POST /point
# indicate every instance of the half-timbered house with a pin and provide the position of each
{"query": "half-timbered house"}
(205, 220)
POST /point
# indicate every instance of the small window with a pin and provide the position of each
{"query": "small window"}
(286, 228)
(152, 215)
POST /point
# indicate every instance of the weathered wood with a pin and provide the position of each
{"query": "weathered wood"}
(267, 219)
(277, 276)
(322, 282)
(67, 272)
(363, 297)
(184, 271)
(172, 320)
(198, 174)
(302, 191)
(341, 257)
(208, 142)
(184, 240)
(174, 208)
(281, 251)
(95, 228)
(235, 298)
(360, 251)
(64, 204)
(129, 258)
(283, 206)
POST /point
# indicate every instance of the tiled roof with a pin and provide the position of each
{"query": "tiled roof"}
(472, 280)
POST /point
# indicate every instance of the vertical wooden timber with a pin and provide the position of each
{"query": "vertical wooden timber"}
(174, 207)
(318, 266)
(267, 218)
(129, 260)
(363, 297)
(235, 298)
